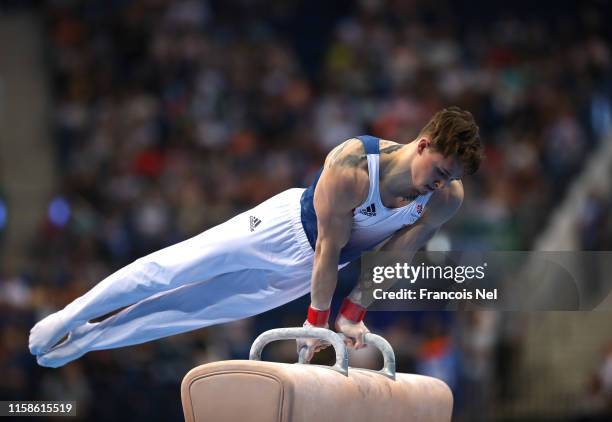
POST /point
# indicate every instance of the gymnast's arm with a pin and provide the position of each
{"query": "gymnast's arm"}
(441, 208)
(343, 185)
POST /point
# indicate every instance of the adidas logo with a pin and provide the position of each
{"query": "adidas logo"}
(254, 222)
(370, 210)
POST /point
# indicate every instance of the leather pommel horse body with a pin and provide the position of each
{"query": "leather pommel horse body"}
(257, 391)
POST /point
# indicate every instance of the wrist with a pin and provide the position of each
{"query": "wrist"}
(352, 311)
(318, 317)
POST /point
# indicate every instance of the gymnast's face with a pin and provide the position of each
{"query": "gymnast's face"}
(432, 171)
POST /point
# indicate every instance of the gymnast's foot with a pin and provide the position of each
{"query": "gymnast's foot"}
(47, 332)
(68, 350)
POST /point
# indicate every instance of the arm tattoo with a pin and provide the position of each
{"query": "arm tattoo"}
(349, 160)
(352, 160)
(337, 152)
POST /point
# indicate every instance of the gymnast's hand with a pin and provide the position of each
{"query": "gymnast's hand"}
(312, 345)
(354, 332)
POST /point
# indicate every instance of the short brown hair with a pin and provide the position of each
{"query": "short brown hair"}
(454, 132)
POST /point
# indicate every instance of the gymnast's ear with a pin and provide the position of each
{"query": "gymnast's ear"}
(422, 144)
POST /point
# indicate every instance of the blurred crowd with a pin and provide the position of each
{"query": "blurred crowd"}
(172, 116)
(594, 225)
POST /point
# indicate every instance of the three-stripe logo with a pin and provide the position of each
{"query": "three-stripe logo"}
(370, 210)
(254, 222)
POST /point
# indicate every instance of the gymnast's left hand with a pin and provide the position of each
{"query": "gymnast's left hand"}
(354, 332)
(312, 345)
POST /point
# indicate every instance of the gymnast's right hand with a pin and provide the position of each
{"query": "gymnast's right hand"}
(312, 345)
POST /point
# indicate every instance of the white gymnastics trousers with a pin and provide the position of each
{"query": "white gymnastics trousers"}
(258, 260)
